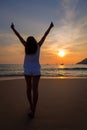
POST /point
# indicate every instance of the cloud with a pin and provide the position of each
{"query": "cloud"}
(7, 39)
(71, 29)
(68, 10)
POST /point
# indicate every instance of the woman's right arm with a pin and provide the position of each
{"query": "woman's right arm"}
(17, 34)
(46, 33)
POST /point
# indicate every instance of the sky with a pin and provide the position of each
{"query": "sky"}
(33, 17)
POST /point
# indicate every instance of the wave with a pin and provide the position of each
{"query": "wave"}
(46, 70)
(73, 68)
(54, 69)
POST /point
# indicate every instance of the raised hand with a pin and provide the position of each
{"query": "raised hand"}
(12, 25)
(51, 25)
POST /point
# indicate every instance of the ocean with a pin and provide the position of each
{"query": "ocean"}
(47, 70)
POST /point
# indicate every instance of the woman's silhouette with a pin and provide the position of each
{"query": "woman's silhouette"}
(32, 66)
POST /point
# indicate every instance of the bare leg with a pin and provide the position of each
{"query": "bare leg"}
(35, 92)
(29, 87)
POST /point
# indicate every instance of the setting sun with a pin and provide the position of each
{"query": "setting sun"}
(61, 53)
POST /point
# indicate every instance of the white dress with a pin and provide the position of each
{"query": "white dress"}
(31, 63)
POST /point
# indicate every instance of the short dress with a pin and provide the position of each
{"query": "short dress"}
(31, 64)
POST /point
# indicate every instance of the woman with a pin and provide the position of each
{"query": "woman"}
(32, 66)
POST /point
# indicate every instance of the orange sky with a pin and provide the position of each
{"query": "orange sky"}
(69, 32)
(14, 54)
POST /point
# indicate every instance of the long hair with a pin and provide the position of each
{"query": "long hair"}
(31, 45)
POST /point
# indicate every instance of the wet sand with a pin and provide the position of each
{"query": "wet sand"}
(62, 105)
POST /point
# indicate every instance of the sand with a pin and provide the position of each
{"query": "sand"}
(62, 105)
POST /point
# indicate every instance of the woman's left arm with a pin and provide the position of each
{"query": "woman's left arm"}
(17, 34)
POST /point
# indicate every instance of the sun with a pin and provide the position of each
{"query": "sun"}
(61, 53)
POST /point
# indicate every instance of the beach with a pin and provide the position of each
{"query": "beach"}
(62, 105)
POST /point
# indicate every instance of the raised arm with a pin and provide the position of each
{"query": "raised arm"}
(45, 35)
(17, 34)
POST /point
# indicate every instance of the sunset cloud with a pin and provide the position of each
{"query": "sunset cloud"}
(34, 17)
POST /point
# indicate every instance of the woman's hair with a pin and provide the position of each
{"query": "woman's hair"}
(31, 45)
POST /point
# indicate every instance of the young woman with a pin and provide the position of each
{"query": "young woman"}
(32, 66)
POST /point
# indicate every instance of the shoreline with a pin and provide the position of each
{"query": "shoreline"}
(42, 77)
(47, 71)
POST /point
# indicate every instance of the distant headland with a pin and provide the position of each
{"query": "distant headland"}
(84, 61)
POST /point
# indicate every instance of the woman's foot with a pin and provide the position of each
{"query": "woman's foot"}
(31, 115)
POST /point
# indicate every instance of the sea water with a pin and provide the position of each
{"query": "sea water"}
(47, 70)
